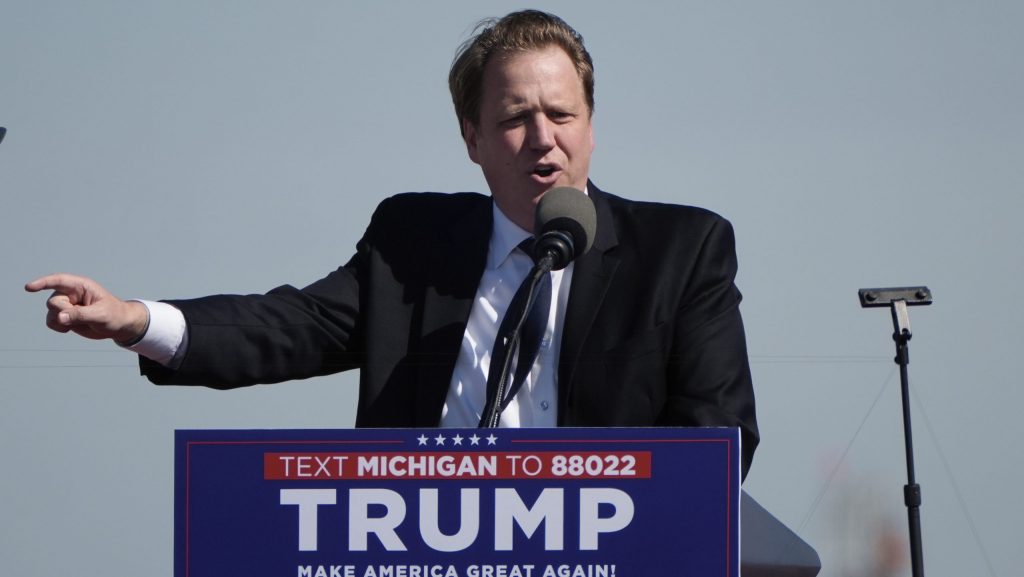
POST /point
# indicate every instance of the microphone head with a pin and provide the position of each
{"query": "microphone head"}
(565, 217)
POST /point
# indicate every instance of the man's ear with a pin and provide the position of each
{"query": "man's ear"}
(469, 136)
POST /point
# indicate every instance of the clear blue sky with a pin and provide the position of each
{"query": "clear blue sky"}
(172, 149)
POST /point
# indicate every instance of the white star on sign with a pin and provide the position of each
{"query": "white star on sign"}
(422, 439)
(457, 439)
(439, 439)
(491, 439)
(474, 440)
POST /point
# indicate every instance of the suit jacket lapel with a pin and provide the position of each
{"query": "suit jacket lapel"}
(457, 261)
(591, 276)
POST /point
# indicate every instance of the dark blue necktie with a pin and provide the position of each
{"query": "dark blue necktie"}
(532, 334)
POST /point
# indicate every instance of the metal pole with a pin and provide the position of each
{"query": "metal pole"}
(911, 491)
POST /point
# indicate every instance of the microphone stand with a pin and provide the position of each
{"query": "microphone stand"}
(492, 410)
(898, 299)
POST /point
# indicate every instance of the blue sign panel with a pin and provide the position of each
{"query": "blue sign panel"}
(457, 503)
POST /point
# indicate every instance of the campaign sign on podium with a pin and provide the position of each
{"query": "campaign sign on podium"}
(561, 502)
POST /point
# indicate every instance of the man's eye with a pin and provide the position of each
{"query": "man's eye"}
(513, 121)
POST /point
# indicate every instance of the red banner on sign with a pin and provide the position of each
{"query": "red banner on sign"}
(458, 465)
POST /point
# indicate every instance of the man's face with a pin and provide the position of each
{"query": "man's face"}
(534, 132)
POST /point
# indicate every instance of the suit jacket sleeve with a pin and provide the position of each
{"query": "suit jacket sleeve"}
(287, 333)
(396, 311)
(709, 379)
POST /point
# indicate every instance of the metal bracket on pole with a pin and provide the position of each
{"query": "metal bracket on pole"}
(901, 319)
(883, 297)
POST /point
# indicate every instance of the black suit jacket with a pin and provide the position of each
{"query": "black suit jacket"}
(652, 335)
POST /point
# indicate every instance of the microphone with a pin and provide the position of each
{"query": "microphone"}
(565, 225)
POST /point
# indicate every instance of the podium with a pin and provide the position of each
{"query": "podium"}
(769, 548)
(473, 503)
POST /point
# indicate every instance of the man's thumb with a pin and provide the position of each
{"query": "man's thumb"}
(78, 314)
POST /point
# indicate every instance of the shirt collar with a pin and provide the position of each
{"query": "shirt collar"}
(505, 236)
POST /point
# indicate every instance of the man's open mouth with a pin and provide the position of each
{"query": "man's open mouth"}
(544, 171)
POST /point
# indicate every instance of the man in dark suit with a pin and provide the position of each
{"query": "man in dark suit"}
(649, 325)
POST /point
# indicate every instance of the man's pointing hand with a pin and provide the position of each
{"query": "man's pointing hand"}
(81, 305)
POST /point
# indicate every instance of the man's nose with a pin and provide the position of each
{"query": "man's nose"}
(541, 133)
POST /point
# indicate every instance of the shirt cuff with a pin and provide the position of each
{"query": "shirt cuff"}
(166, 339)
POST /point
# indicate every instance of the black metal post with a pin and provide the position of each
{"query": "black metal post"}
(911, 491)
